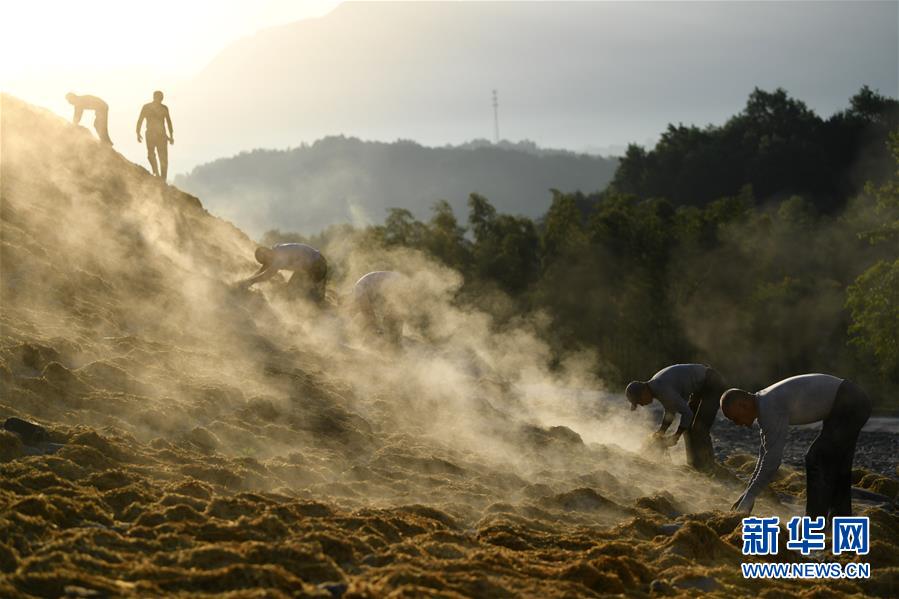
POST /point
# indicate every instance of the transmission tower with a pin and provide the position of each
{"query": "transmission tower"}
(495, 118)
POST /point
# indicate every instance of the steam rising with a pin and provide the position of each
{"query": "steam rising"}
(150, 337)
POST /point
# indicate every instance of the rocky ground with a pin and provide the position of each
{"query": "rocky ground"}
(201, 442)
(876, 450)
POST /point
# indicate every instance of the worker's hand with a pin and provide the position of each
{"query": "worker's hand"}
(655, 442)
(139, 138)
(670, 441)
(172, 140)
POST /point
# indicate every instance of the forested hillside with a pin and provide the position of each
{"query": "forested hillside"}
(339, 179)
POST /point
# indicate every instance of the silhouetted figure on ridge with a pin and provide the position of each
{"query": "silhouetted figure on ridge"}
(157, 115)
(101, 113)
(310, 270)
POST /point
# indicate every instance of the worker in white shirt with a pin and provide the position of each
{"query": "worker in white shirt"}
(839, 404)
(377, 300)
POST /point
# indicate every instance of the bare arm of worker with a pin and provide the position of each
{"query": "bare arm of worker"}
(774, 439)
(263, 274)
(76, 118)
(168, 121)
(674, 402)
(667, 419)
(686, 416)
(755, 473)
(140, 121)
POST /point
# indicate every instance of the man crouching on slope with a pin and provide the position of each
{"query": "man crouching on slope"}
(378, 299)
(693, 391)
(840, 404)
(310, 270)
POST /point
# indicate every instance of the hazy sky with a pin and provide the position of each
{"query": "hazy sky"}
(569, 76)
(93, 36)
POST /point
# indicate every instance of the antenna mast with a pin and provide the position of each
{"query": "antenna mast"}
(495, 118)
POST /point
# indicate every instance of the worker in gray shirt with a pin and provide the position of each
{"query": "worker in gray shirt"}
(844, 409)
(310, 269)
(693, 391)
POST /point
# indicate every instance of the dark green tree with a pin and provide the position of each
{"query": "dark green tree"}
(506, 247)
(874, 297)
(445, 239)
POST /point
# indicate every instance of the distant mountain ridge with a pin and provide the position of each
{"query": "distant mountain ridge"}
(340, 179)
(529, 147)
(584, 75)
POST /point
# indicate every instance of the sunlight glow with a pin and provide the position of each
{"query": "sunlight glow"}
(94, 35)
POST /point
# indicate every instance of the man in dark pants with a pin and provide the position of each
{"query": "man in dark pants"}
(101, 113)
(157, 116)
(844, 409)
(693, 391)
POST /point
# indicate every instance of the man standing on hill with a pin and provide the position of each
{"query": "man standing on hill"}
(693, 391)
(844, 409)
(101, 113)
(310, 270)
(157, 115)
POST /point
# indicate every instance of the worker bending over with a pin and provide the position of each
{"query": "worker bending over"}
(377, 300)
(843, 408)
(310, 270)
(100, 109)
(693, 391)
